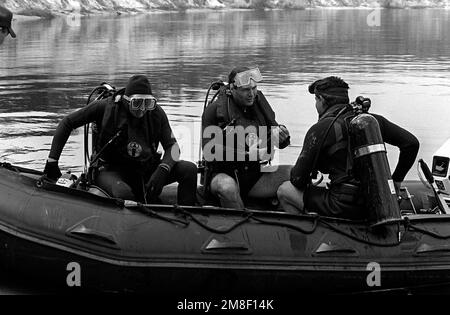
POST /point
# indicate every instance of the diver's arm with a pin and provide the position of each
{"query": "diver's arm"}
(301, 172)
(169, 143)
(171, 156)
(73, 121)
(405, 141)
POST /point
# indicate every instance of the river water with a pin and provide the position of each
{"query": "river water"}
(398, 58)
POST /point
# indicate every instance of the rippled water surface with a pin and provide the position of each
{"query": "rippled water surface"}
(48, 71)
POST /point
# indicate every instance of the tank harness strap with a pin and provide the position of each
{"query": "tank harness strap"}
(314, 168)
(349, 166)
(112, 108)
(340, 143)
(152, 136)
(223, 110)
(97, 134)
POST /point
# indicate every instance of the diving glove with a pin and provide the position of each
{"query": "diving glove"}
(52, 171)
(158, 180)
(282, 137)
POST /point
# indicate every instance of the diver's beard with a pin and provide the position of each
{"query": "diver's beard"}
(137, 113)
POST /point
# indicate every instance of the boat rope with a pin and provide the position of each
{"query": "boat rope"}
(407, 227)
(252, 216)
(290, 226)
(147, 211)
(358, 239)
(317, 219)
(209, 228)
(249, 216)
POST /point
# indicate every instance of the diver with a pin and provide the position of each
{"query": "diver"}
(343, 197)
(130, 167)
(5, 24)
(239, 132)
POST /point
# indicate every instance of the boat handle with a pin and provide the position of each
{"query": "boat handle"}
(83, 231)
(325, 248)
(426, 248)
(217, 245)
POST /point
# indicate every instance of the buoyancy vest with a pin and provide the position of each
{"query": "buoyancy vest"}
(261, 112)
(136, 146)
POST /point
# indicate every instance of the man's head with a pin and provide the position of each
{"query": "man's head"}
(138, 96)
(329, 91)
(243, 83)
(5, 24)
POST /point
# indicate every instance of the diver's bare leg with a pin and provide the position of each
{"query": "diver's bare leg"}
(226, 188)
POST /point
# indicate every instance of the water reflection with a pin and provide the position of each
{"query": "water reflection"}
(51, 67)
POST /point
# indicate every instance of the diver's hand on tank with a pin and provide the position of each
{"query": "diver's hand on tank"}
(51, 170)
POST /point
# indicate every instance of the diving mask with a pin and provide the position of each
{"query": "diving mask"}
(244, 78)
(141, 102)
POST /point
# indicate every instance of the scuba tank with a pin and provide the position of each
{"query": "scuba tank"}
(103, 91)
(371, 167)
(201, 164)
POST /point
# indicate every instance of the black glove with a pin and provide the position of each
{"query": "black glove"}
(157, 181)
(284, 137)
(52, 171)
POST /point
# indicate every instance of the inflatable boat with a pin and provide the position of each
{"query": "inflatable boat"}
(51, 231)
(73, 236)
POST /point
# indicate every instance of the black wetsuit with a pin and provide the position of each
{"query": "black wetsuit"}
(331, 201)
(225, 111)
(131, 158)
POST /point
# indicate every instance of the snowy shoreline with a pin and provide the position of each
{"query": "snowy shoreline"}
(53, 8)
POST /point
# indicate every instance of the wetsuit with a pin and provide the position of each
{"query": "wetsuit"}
(132, 158)
(343, 199)
(225, 112)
